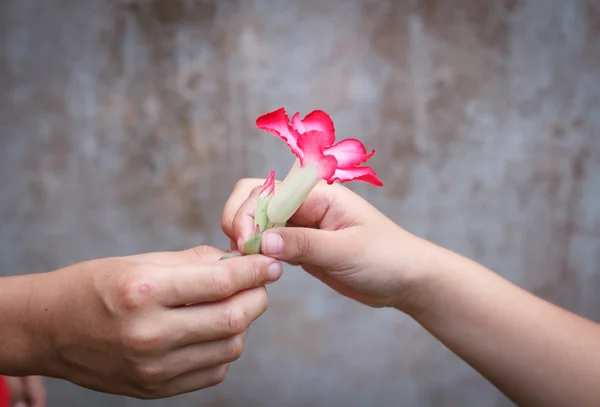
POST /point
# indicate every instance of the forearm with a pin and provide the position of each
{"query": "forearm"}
(534, 352)
(20, 350)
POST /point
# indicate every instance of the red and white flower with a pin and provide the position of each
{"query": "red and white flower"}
(268, 188)
(312, 140)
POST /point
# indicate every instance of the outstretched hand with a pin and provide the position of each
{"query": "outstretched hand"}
(339, 238)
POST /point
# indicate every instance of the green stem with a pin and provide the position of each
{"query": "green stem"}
(252, 246)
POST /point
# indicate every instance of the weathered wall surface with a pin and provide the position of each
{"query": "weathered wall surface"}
(125, 124)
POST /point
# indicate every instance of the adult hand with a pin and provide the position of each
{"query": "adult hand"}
(148, 326)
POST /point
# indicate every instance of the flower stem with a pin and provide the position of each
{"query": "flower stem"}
(262, 220)
(291, 193)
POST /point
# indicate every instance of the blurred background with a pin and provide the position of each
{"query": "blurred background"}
(124, 126)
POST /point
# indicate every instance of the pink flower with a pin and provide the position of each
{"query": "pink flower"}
(268, 187)
(312, 140)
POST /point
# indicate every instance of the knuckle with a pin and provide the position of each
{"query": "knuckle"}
(223, 282)
(201, 251)
(141, 340)
(256, 190)
(149, 375)
(226, 222)
(303, 244)
(133, 292)
(236, 319)
(240, 184)
(262, 299)
(147, 391)
(219, 375)
(234, 347)
(252, 269)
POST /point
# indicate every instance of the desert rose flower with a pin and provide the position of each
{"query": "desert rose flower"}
(312, 140)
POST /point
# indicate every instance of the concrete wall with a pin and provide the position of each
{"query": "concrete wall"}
(125, 124)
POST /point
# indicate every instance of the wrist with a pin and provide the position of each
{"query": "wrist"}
(27, 316)
(421, 276)
(50, 313)
(18, 343)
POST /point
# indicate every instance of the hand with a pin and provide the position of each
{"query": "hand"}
(26, 391)
(342, 240)
(151, 325)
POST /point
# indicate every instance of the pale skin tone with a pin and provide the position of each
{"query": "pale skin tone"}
(536, 353)
(147, 326)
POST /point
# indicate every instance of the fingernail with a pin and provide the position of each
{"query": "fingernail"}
(274, 271)
(272, 243)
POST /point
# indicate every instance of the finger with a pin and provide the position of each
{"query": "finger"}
(193, 284)
(193, 381)
(196, 254)
(36, 391)
(323, 248)
(243, 221)
(200, 356)
(240, 194)
(325, 203)
(219, 320)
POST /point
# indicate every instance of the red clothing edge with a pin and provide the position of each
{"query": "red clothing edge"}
(4, 393)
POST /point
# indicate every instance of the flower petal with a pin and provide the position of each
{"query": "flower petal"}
(349, 153)
(297, 123)
(268, 187)
(312, 144)
(277, 123)
(365, 174)
(317, 120)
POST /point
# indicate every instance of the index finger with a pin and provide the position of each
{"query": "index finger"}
(196, 254)
(240, 203)
(238, 215)
(193, 283)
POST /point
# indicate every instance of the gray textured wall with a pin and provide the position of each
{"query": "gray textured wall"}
(125, 124)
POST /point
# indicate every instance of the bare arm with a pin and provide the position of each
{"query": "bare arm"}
(150, 326)
(18, 353)
(534, 352)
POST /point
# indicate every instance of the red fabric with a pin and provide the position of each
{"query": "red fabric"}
(4, 393)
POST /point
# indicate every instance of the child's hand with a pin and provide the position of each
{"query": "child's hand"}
(342, 240)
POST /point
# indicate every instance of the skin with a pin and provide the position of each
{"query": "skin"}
(26, 391)
(146, 326)
(536, 353)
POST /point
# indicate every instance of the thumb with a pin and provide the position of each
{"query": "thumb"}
(300, 245)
